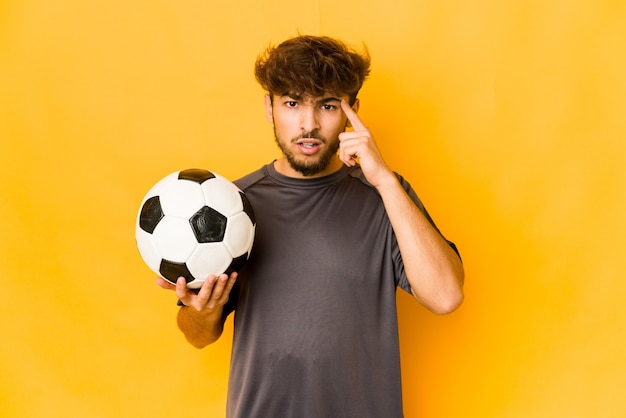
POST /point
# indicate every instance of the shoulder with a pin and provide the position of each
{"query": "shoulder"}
(357, 173)
(251, 179)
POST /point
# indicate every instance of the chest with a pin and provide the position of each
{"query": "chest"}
(335, 222)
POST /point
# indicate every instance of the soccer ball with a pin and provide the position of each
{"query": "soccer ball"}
(194, 223)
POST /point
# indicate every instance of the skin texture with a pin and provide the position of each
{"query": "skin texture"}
(311, 133)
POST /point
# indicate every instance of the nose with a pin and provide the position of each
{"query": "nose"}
(308, 119)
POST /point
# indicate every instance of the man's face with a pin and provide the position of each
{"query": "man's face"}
(307, 130)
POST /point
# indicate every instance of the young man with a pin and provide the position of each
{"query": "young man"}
(315, 330)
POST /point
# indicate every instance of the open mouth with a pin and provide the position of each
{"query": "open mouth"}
(308, 146)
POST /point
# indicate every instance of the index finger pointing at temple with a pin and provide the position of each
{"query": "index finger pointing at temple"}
(352, 116)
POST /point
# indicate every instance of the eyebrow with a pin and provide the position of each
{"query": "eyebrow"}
(329, 99)
(299, 97)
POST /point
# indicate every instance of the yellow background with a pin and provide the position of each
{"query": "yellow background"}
(508, 117)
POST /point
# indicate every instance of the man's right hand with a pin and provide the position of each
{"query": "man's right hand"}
(213, 294)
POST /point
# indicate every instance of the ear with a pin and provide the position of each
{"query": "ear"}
(269, 114)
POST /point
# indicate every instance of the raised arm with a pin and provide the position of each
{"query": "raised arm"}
(433, 268)
(201, 318)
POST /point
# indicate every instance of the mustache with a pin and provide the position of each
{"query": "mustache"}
(309, 135)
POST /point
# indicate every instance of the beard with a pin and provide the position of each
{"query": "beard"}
(313, 166)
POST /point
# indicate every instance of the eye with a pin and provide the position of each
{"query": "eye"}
(327, 106)
(291, 103)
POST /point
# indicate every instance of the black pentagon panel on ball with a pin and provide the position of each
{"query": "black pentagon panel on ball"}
(247, 207)
(208, 225)
(172, 271)
(151, 214)
(196, 174)
(237, 264)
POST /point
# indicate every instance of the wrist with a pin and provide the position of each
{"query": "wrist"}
(385, 181)
(205, 315)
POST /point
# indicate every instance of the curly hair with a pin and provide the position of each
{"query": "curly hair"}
(312, 66)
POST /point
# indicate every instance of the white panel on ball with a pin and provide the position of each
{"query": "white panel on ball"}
(209, 258)
(181, 199)
(239, 234)
(156, 189)
(174, 239)
(148, 251)
(222, 196)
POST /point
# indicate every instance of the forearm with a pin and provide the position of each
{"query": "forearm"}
(200, 328)
(433, 268)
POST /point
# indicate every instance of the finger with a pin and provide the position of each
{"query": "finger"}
(181, 288)
(160, 281)
(348, 157)
(352, 116)
(349, 148)
(230, 283)
(354, 139)
(218, 288)
(206, 290)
